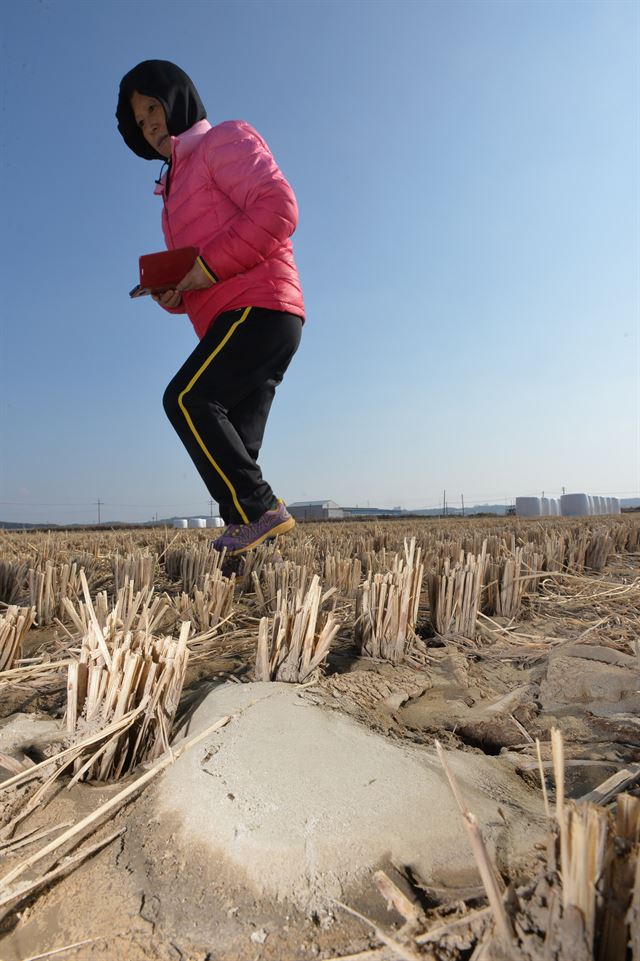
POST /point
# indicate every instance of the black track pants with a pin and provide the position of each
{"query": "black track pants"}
(219, 402)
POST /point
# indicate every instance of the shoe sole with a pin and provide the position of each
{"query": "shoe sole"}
(282, 528)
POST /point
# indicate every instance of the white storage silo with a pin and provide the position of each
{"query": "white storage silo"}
(593, 504)
(215, 522)
(574, 505)
(179, 521)
(197, 522)
(602, 507)
(528, 506)
(545, 508)
(554, 506)
(615, 505)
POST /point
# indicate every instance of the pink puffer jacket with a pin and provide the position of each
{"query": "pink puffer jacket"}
(228, 198)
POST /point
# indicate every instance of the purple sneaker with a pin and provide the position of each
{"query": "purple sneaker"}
(220, 542)
(239, 538)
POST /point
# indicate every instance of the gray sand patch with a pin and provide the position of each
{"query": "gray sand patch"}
(303, 802)
(20, 730)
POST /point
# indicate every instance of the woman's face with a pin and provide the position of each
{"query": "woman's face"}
(152, 122)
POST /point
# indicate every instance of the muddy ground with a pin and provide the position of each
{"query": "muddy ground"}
(570, 660)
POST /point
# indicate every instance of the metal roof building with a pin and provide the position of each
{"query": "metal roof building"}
(374, 511)
(315, 511)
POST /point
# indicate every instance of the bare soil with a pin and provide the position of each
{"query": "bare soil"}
(146, 897)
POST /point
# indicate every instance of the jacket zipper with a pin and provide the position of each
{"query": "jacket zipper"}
(165, 194)
(166, 213)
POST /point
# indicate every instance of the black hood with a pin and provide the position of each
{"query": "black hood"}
(175, 91)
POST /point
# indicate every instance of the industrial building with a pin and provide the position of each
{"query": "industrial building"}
(316, 511)
(374, 511)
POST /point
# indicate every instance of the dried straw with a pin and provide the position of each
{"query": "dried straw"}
(191, 566)
(14, 624)
(51, 587)
(276, 584)
(111, 805)
(455, 593)
(387, 607)
(294, 643)
(583, 845)
(487, 871)
(13, 577)
(131, 610)
(120, 671)
(208, 606)
(139, 567)
(345, 574)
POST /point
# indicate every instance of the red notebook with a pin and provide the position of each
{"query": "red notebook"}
(162, 271)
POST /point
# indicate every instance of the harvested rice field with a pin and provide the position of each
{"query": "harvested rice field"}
(408, 739)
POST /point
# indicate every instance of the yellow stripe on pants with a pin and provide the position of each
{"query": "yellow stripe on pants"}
(195, 433)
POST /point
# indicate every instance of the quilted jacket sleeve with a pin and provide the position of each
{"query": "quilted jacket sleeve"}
(243, 167)
(180, 309)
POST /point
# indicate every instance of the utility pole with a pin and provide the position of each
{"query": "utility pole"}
(99, 503)
(444, 503)
(462, 496)
(211, 506)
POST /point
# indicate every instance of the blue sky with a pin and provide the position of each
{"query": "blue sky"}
(468, 243)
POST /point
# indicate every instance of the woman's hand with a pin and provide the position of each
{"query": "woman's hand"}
(169, 298)
(196, 279)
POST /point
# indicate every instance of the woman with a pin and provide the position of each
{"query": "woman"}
(223, 194)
